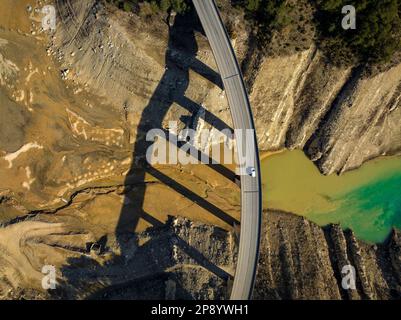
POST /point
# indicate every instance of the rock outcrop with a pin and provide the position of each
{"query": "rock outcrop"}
(300, 260)
(180, 260)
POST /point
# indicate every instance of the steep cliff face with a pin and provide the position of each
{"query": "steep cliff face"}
(300, 260)
(338, 116)
(181, 260)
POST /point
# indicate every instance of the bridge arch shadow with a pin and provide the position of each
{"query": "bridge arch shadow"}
(170, 90)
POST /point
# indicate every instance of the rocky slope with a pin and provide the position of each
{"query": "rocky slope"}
(66, 150)
(300, 260)
(69, 128)
(187, 260)
(339, 118)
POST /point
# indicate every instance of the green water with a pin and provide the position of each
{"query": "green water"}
(367, 200)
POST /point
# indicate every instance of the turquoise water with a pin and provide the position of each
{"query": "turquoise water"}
(367, 200)
(370, 210)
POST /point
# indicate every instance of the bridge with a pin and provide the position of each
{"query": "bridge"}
(251, 197)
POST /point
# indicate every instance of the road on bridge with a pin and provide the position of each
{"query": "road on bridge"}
(251, 197)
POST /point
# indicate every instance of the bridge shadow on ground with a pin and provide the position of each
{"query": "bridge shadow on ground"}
(171, 89)
(140, 265)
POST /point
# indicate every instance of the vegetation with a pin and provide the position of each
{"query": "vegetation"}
(152, 6)
(269, 15)
(376, 38)
(269, 12)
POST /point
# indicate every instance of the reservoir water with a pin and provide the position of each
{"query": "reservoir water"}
(367, 200)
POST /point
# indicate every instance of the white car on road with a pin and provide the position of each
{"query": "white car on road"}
(251, 171)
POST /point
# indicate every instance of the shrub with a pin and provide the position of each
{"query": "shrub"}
(154, 6)
(267, 14)
(377, 34)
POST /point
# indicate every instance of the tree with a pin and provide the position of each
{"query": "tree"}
(378, 32)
